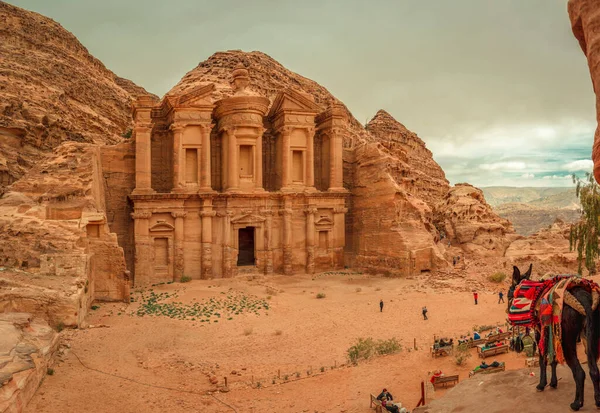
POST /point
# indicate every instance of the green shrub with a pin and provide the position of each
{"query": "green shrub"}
(60, 326)
(50, 372)
(365, 348)
(390, 346)
(497, 277)
(362, 350)
(321, 295)
(127, 134)
(185, 279)
(461, 354)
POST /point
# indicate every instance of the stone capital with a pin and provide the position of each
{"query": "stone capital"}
(178, 214)
(207, 214)
(141, 127)
(310, 211)
(225, 213)
(230, 130)
(177, 126)
(266, 212)
(337, 131)
(141, 215)
(340, 210)
(285, 212)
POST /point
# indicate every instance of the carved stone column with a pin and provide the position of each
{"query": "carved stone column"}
(207, 217)
(178, 178)
(310, 239)
(179, 237)
(287, 241)
(336, 167)
(310, 158)
(143, 247)
(233, 168)
(143, 160)
(227, 248)
(205, 170)
(268, 243)
(258, 167)
(286, 134)
(339, 231)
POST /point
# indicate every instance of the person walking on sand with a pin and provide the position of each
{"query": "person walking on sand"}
(500, 297)
(475, 296)
(424, 313)
(381, 306)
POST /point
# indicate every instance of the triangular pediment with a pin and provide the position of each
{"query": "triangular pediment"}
(247, 219)
(198, 96)
(324, 221)
(161, 226)
(294, 101)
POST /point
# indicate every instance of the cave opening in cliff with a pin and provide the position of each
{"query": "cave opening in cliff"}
(246, 246)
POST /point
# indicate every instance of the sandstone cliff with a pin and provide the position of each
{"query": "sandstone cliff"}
(585, 20)
(52, 90)
(414, 168)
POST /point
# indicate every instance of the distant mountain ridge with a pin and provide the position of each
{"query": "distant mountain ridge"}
(530, 208)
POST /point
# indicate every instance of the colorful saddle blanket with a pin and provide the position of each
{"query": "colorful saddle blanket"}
(539, 304)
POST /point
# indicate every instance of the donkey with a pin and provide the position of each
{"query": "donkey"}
(579, 315)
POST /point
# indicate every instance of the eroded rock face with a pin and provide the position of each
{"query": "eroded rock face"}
(27, 345)
(467, 219)
(53, 91)
(413, 169)
(585, 20)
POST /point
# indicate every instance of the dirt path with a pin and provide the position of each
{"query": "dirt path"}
(298, 334)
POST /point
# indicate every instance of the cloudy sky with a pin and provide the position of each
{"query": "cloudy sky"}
(498, 89)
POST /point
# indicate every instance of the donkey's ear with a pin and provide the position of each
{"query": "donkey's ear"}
(516, 277)
(527, 275)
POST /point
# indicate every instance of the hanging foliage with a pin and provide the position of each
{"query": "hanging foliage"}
(585, 233)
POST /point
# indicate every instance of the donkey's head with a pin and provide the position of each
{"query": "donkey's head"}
(517, 277)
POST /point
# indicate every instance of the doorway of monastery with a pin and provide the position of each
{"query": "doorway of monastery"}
(246, 246)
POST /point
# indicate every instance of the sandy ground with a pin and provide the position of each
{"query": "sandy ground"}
(132, 362)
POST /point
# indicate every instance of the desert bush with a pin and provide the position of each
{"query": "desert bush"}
(50, 372)
(95, 307)
(271, 291)
(278, 332)
(60, 326)
(127, 134)
(286, 377)
(497, 277)
(378, 289)
(185, 279)
(248, 331)
(322, 369)
(365, 348)
(358, 289)
(390, 346)
(321, 295)
(298, 374)
(362, 350)
(483, 327)
(461, 354)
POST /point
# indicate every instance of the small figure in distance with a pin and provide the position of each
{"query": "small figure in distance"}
(424, 313)
(381, 306)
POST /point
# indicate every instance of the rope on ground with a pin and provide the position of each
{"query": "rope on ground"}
(151, 385)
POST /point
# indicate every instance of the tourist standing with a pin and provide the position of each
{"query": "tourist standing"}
(500, 297)
(424, 313)
(381, 306)
(475, 296)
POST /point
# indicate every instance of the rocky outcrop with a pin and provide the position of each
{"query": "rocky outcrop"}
(27, 345)
(57, 236)
(585, 20)
(466, 218)
(548, 249)
(52, 90)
